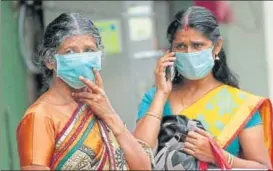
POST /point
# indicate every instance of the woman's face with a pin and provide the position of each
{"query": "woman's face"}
(190, 40)
(75, 44)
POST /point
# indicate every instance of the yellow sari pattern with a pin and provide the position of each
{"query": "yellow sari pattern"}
(225, 111)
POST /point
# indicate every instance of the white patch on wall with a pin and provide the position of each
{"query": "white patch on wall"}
(140, 28)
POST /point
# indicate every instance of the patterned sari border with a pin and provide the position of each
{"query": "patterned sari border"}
(70, 127)
(103, 161)
(244, 123)
(271, 123)
(78, 145)
(70, 141)
(107, 141)
(68, 122)
(267, 126)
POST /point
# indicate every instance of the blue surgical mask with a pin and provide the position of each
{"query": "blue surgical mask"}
(195, 65)
(71, 66)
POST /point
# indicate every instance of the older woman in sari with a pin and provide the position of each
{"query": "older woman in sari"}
(73, 126)
(203, 88)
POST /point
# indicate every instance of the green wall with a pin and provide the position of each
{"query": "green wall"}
(13, 86)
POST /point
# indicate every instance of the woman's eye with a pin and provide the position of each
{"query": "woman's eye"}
(69, 51)
(180, 46)
(89, 50)
(196, 45)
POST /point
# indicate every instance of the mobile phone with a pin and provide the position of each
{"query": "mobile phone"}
(170, 71)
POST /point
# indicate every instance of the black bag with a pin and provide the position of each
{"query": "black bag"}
(169, 154)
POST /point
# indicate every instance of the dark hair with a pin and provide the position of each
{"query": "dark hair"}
(203, 20)
(64, 26)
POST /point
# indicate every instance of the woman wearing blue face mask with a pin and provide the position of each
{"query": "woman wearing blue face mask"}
(73, 126)
(204, 88)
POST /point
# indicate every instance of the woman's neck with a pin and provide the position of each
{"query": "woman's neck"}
(207, 83)
(61, 92)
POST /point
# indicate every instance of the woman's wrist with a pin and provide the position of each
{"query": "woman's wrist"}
(228, 157)
(157, 105)
(162, 95)
(213, 160)
(116, 125)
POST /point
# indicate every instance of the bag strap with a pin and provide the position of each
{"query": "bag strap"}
(219, 156)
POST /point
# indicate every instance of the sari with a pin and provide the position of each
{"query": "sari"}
(46, 137)
(231, 108)
(224, 112)
(85, 143)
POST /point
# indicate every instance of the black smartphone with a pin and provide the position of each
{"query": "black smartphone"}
(170, 70)
(170, 73)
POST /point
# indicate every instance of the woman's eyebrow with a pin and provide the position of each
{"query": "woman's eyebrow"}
(179, 43)
(197, 42)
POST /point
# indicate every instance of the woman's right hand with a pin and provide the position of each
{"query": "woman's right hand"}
(162, 84)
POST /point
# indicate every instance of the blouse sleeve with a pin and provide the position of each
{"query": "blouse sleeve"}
(255, 120)
(145, 103)
(35, 140)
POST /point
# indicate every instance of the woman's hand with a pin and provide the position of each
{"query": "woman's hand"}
(95, 97)
(160, 75)
(197, 145)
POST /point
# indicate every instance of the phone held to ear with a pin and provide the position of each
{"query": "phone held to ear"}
(169, 71)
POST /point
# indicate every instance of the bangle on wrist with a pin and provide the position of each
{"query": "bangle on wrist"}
(230, 159)
(153, 115)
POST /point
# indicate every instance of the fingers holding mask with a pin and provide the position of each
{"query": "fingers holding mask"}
(87, 97)
(92, 86)
(94, 91)
(84, 95)
(98, 78)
